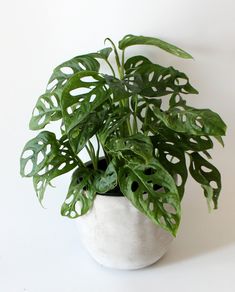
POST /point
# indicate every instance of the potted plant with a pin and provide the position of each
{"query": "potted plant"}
(142, 139)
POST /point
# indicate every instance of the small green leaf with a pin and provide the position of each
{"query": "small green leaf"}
(137, 144)
(208, 176)
(107, 180)
(140, 183)
(81, 194)
(131, 40)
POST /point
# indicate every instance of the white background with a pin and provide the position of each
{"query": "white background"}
(40, 251)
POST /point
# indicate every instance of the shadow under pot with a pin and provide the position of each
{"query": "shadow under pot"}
(117, 235)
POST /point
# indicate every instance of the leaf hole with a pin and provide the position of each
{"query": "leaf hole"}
(28, 167)
(78, 207)
(178, 180)
(69, 200)
(213, 184)
(205, 169)
(134, 186)
(145, 196)
(40, 157)
(52, 84)
(54, 101)
(27, 154)
(180, 81)
(62, 166)
(150, 77)
(151, 206)
(81, 66)
(67, 70)
(79, 91)
(169, 208)
(88, 79)
(172, 159)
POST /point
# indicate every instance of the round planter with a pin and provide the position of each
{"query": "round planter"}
(117, 235)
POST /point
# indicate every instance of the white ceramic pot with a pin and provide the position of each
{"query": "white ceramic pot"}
(119, 236)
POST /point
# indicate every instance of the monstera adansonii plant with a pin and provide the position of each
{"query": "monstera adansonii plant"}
(138, 116)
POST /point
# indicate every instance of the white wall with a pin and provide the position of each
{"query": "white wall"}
(39, 250)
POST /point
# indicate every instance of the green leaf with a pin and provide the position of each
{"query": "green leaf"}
(131, 40)
(153, 80)
(134, 63)
(107, 180)
(183, 141)
(192, 121)
(140, 184)
(173, 160)
(37, 153)
(85, 103)
(102, 54)
(81, 194)
(115, 120)
(208, 176)
(47, 109)
(48, 157)
(137, 144)
(117, 88)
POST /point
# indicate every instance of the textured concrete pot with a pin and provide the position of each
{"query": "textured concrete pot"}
(118, 236)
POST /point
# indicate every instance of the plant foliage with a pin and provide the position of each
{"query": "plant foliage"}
(145, 144)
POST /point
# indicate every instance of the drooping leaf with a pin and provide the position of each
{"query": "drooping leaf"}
(138, 145)
(173, 160)
(48, 158)
(81, 194)
(107, 180)
(102, 54)
(85, 103)
(47, 109)
(37, 153)
(208, 176)
(192, 121)
(140, 184)
(131, 40)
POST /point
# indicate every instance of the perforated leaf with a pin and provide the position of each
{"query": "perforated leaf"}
(192, 121)
(131, 40)
(140, 184)
(81, 194)
(173, 160)
(85, 104)
(208, 176)
(153, 80)
(48, 158)
(47, 108)
(138, 145)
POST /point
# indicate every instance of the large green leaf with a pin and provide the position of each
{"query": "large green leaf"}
(153, 80)
(140, 184)
(183, 141)
(134, 63)
(85, 103)
(47, 108)
(131, 40)
(208, 176)
(192, 121)
(117, 88)
(81, 194)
